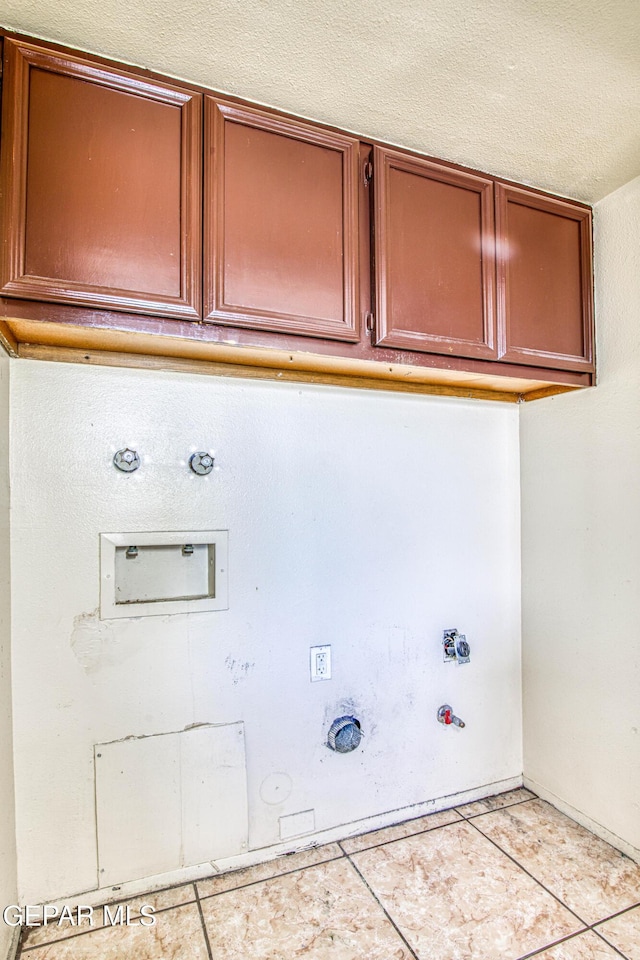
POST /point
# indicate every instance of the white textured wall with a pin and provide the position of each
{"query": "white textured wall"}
(368, 520)
(8, 882)
(581, 556)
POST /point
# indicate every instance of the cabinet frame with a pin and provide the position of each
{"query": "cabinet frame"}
(19, 59)
(384, 161)
(216, 310)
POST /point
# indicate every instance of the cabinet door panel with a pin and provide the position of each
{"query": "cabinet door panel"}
(281, 215)
(544, 271)
(102, 195)
(434, 257)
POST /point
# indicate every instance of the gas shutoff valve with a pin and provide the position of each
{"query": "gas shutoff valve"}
(447, 716)
(455, 647)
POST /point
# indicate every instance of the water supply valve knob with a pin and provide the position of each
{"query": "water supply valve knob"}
(201, 463)
(126, 460)
(447, 716)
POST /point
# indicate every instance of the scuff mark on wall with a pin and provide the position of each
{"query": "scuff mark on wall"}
(168, 733)
(239, 669)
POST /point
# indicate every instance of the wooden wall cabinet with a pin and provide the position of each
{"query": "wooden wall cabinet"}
(281, 224)
(545, 285)
(435, 264)
(138, 206)
(101, 189)
(438, 247)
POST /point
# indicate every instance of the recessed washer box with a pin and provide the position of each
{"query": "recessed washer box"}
(151, 574)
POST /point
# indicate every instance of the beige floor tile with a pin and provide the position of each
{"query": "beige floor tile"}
(454, 896)
(322, 913)
(406, 829)
(264, 871)
(586, 946)
(495, 803)
(624, 933)
(587, 874)
(177, 935)
(161, 900)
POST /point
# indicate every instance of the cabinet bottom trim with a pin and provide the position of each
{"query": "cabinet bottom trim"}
(73, 344)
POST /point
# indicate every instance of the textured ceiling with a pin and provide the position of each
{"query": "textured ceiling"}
(542, 91)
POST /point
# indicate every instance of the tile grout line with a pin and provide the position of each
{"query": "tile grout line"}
(385, 843)
(585, 927)
(474, 816)
(604, 940)
(462, 818)
(554, 943)
(412, 953)
(83, 933)
(202, 921)
(524, 870)
(253, 883)
(467, 819)
(613, 916)
(196, 899)
(344, 853)
(573, 936)
(588, 926)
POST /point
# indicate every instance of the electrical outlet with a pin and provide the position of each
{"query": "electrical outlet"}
(320, 663)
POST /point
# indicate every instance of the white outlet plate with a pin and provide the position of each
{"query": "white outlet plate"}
(320, 663)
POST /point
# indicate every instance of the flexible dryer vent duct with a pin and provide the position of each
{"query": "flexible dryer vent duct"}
(345, 734)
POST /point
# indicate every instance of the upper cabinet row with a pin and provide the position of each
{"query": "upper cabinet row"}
(129, 194)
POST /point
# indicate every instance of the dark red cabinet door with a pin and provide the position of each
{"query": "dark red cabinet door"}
(435, 265)
(101, 186)
(281, 224)
(545, 300)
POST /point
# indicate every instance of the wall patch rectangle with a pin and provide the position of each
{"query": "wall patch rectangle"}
(170, 800)
(297, 824)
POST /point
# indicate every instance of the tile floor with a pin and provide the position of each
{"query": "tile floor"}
(500, 879)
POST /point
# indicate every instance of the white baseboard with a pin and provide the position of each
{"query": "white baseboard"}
(261, 854)
(596, 828)
(134, 888)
